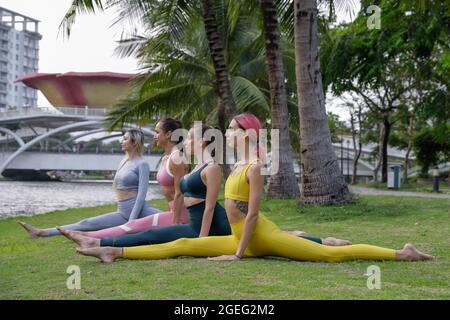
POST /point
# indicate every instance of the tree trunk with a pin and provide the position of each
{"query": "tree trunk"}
(356, 150)
(227, 105)
(408, 150)
(220, 67)
(378, 164)
(322, 180)
(283, 184)
(225, 167)
(384, 145)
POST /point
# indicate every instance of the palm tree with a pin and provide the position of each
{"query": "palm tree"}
(227, 106)
(283, 184)
(176, 14)
(321, 178)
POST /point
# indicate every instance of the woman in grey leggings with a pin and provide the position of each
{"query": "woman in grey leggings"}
(130, 183)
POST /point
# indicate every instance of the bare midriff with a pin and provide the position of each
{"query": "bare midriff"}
(191, 201)
(125, 194)
(233, 213)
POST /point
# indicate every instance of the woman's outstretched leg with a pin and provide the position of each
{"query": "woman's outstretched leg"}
(288, 246)
(81, 240)
(103, 221)
(155, 221)
(196, 247)
(269, 240)
(107, 220)
(32, 231)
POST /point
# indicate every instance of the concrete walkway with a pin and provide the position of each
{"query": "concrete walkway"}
(373, 191)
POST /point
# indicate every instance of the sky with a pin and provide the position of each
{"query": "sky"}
(91, 44)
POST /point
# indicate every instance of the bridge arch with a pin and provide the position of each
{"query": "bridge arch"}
(26, 146)
(14, 135)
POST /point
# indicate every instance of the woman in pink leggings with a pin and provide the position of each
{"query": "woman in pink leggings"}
(169, 174)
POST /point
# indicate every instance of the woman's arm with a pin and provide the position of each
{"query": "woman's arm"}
(142, 190)
(213, 175)
(178, 170)
(256, 182)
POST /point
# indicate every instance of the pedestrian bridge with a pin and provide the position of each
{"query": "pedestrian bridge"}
(24, 128)
(47, 161)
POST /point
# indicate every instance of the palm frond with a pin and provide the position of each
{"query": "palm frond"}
(79, 7)
(248, 95)
(285, 9)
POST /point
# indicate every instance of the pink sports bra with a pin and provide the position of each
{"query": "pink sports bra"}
(164, 176)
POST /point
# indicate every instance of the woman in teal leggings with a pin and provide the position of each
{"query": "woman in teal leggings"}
(200, 190)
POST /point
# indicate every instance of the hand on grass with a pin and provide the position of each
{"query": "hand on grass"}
(225, 258)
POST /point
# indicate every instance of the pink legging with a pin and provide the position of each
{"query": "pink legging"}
(155, 221)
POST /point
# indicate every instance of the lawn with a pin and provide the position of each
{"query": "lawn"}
(36, 269)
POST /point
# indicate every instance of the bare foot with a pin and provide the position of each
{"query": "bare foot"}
(330, 241)
(105, 254)
(83, 241)
(410, 253)
(82, 233)
(298, 233)
(335, 242)
(32, 231)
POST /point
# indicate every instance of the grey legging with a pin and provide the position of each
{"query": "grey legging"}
(108, 220)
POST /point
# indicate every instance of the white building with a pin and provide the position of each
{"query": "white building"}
(19, 55)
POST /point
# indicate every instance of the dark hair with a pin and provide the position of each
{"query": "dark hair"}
(170, 124)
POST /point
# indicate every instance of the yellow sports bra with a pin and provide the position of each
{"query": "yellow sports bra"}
(236, 186)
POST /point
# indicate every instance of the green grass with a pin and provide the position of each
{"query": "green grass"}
(98, 177)
(444, 187)
(36, 269)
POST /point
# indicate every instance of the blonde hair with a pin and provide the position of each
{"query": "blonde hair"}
(137, 136)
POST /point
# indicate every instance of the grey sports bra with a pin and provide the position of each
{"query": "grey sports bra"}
(134, 174)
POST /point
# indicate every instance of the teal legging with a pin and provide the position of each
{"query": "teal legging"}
(219, 227)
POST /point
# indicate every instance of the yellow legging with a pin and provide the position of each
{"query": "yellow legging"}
(267, 240)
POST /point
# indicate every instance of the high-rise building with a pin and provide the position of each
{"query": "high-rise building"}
(19, 55)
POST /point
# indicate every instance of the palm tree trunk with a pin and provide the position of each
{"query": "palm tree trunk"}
(227, 105)
(283, 184)
(322, 181)
(223, 86)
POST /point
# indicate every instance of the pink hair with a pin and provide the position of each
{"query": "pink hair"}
(248, 121)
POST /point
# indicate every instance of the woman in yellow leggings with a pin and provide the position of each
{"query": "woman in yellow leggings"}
(253, 235)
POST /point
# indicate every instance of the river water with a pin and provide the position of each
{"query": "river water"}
(30, 198)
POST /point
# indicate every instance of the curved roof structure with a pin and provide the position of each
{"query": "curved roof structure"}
(80, 89)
